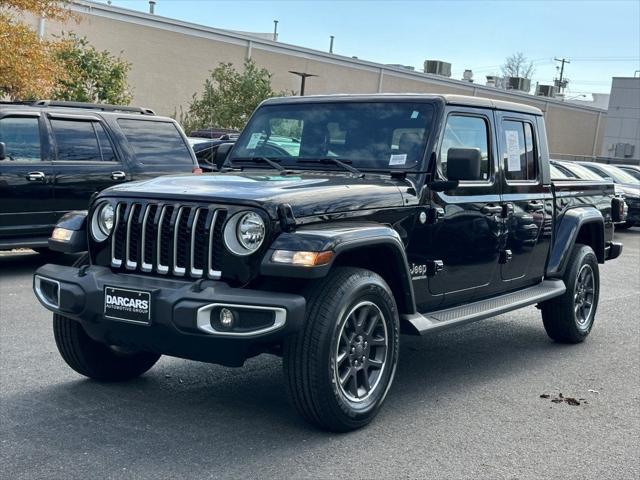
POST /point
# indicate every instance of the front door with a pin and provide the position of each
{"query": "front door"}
(26, 178)
(525, 200)
(466, 239)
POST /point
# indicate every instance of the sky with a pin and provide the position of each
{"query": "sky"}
(600, 38)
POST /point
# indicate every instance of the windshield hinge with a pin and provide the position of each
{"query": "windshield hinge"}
(286, 217)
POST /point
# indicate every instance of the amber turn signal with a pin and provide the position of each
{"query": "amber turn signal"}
(304, 259)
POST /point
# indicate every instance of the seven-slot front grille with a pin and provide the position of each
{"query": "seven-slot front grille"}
(168, 239)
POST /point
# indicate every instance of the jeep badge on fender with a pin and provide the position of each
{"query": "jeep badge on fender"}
(315, 242)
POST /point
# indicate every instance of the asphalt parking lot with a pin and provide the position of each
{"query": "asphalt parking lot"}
(465, 404)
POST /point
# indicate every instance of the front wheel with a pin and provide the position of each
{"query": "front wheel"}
(341, 365)
(569, 318)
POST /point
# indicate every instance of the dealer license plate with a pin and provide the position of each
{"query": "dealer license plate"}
(128, 305)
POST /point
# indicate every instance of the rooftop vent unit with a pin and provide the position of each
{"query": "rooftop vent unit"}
(519, 83)
(495, 81)
(467, 76)
(546, 90)
(436, 67)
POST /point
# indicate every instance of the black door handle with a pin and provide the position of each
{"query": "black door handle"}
(491, 209)
(535, 205)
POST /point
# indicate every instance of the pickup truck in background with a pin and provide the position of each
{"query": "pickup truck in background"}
(338, 223)
(55, 155)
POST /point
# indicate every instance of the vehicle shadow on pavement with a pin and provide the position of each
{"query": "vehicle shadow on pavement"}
(199, 416)
(24, 262)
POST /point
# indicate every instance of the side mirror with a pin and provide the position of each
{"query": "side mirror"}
(463, 164)
(3, 151)
(221, 153)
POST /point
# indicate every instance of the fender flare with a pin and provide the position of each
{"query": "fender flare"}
(566, 234)
(341, 239)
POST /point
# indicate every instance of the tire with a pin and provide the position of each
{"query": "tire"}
(94, 359)
(569, 318)
(623, 226)
(349, 342)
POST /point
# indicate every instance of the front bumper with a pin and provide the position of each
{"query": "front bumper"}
(176, 313)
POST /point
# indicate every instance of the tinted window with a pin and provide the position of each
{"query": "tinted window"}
(76, 140)
(466, 132)
(518, 147)
(374, 135)
(156, 143)
(106, 150)
(21, 136)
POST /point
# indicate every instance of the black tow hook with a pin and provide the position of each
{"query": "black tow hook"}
(199, 285)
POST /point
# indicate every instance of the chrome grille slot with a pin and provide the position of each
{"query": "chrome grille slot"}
(131, 239)
(168, 239)
(116, 244)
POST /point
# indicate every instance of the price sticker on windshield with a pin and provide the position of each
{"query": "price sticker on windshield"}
(398, 159)
(253, 141)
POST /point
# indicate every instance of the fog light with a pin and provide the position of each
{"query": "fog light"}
(227, 319)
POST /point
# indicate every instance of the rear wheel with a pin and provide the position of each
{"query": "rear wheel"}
(94, 359)
(341, 365)
(569, 318)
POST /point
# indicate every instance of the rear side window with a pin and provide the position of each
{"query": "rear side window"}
(21, 137)
(519, 152)
(81, 141)
(156, 143)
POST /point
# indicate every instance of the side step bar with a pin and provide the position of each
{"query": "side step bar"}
(471, 312)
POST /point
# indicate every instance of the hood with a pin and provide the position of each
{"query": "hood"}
(308, 193)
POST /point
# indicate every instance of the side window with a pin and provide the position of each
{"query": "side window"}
(519, 152)
(464, 131)
(76, 140)
(106, 150)
(156, 142)
(21, 137)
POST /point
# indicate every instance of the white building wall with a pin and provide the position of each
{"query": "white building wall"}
(623, 118)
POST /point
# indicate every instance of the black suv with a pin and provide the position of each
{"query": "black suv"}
(55, 155)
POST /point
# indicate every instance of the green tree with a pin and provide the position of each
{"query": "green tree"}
(228, 98)
(92, 76)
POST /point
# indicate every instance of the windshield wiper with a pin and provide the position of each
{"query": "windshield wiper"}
(325, 160)
(266, 160)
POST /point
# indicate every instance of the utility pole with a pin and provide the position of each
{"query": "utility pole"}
(562, 61)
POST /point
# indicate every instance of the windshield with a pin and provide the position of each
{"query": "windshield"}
(366, 135)
(619, 176)
(580, 171)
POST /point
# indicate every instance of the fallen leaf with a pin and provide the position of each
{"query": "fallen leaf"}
(572, 401)
(544, 395)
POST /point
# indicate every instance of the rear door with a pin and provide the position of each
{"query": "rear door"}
(26, 178)
(527, 202)
(85, 160)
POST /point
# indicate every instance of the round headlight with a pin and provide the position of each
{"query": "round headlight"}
(102, 222)
(244, 233)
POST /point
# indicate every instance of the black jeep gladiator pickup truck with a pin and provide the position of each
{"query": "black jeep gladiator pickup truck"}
(338, 223)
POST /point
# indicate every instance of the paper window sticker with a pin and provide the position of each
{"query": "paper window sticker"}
(253, 141)
(398, 159)
(415, 114)
(513, 151)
